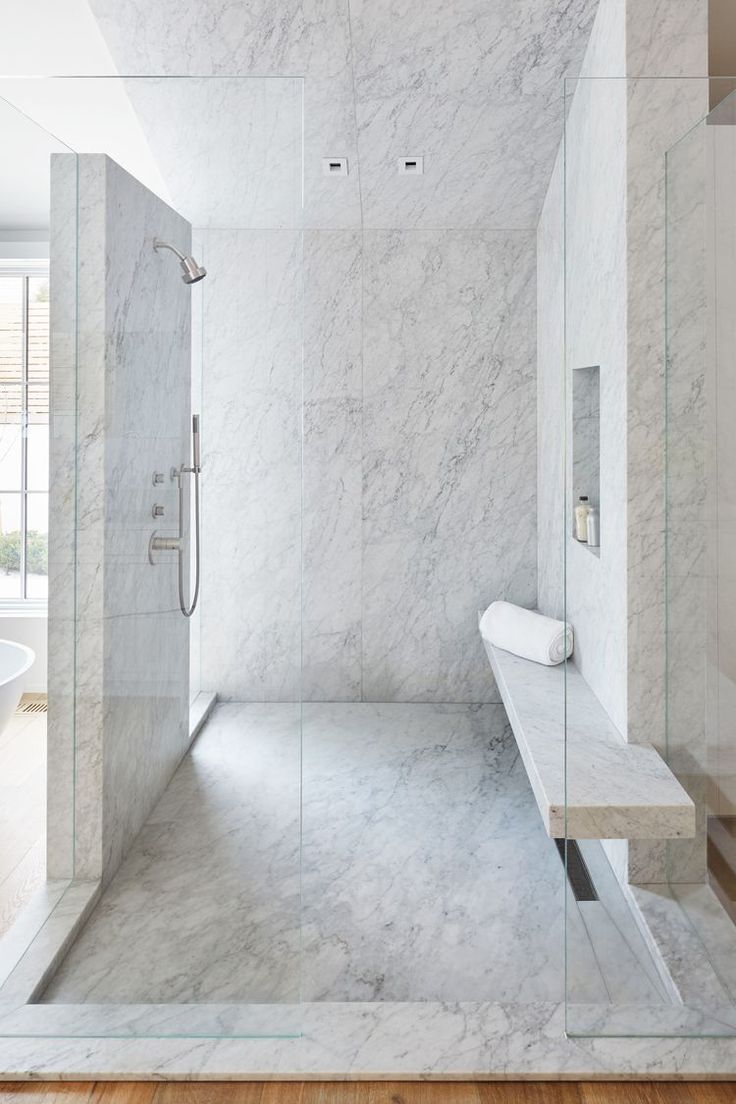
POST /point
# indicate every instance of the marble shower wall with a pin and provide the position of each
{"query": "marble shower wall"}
(132, 419)
(449, 427)
(418, 326)
(722, 570)
(616, 139)
(589, 309)
(418, 447)
(251, 459)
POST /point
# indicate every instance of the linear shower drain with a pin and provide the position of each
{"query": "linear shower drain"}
(578, 874)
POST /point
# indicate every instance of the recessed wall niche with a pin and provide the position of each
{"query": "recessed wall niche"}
(586, 439)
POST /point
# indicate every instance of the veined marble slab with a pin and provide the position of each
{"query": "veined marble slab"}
(425, 1040)
(588, 782)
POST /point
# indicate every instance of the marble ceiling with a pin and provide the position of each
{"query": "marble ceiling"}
(474, 87)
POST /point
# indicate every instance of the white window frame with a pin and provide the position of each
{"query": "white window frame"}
(24, 605)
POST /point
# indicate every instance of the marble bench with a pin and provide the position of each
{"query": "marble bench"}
(615, 790)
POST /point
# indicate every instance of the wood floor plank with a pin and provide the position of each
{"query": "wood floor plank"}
(124, 1092)
(530, 1092)
(636, 1092)
(334, 1092)
(712, 1092)
(213, 1092)
(21, 883)
(282, 1092)
(420, 1092)
(376, 1092)
(49, 1092)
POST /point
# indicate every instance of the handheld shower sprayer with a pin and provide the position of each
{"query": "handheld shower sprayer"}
(194, 470)
(196, 465)
(176, 544)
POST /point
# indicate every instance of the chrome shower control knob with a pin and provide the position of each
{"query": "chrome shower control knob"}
(158, 477)
(157, 511)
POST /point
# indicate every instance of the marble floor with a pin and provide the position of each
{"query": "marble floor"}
(425, 873)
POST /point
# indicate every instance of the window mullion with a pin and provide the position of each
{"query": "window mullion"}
(24, 441)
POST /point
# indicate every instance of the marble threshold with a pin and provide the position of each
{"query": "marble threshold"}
(384, 1040)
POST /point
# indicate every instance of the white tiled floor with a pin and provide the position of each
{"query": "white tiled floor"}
(22, 812)
(426, 873)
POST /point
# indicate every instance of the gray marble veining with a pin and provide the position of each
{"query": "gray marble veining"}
(132, 408)
(478, 95)
(427, 875)
(428, 1041)
(588, 781)
(448, 455)
(602, 228)
(252, 455)
(417, 439)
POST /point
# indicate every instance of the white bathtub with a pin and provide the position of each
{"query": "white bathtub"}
(15, 662)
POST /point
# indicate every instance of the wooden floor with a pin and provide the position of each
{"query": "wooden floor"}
(22, 812)
(378, 1092)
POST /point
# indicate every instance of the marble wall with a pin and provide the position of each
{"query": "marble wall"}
(616, 137)
(418, 443)
(475, 91)
(251, 458)
(701, 401)
(449, 426)
(582, 323)
(418, 325)
(133, 399)
(721, 730)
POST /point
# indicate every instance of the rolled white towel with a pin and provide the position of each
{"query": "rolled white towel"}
(526, 633)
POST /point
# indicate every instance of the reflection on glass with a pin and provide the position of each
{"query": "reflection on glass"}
(11, 441)
(10, 546)
(37, 478)
(37, 546)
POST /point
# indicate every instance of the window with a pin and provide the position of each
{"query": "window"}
(24, 433)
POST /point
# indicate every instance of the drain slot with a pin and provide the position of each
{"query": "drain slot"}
(32, 703)
(578, 874)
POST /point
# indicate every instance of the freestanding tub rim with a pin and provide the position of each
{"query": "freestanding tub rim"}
(29, 657)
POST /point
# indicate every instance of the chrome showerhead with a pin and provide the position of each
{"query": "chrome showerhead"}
(191, 271)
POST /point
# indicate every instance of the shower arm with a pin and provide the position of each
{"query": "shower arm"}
(159, 243)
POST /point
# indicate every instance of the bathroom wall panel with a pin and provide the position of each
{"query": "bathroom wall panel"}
(266, 322)
(477, 91)
(62, 520)
(132, 413)
(551, 399)
(252, 440)
(332, 472)
(595, 329)
(411, 463)
(616, 139)
(449, 479)
(670, 40)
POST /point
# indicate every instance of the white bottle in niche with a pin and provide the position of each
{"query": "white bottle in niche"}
(593, 526)
(581, 519)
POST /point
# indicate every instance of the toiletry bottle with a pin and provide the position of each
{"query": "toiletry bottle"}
(581, 519)
(593, 524)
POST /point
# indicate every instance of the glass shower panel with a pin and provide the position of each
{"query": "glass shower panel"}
(183, 917)
(649, 183)
(36, 764)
